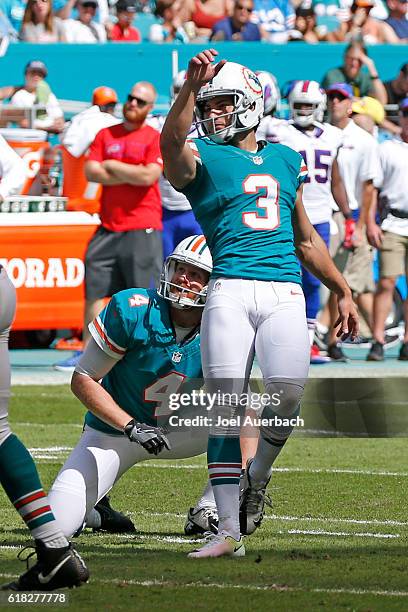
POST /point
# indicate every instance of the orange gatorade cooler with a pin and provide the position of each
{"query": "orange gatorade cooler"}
(31, 146)
(81, 194)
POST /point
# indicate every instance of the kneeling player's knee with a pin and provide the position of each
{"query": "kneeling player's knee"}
(68, 507)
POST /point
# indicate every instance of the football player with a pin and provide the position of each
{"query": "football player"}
(247, 197)
(318, 143)
(145, 345)
(58, 564)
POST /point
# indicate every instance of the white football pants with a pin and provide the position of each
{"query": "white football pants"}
(97, 462)
(243, 317)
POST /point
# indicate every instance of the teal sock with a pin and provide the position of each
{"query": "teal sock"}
(21, 482)
(224, 467)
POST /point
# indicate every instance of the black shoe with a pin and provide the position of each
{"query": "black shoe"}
(56, 568)
(403, 354)
(252, 503)
(376, 352)
(112, 520)
(335, 353)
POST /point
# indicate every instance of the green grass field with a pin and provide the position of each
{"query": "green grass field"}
(336, 538)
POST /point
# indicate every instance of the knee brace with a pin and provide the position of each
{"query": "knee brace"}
(280, 416)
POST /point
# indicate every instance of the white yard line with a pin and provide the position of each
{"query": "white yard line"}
(320, 532)
(195, 466)
(242, 587)
(277, 517)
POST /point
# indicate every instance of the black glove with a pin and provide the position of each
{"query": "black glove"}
(151, 438)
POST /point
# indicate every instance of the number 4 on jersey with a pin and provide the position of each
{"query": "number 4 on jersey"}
(160, 391)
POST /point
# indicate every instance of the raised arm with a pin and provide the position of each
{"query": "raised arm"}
(179, 162)
(313, 254)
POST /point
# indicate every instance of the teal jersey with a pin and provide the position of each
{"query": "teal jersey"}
(135, 328)
(244, 203)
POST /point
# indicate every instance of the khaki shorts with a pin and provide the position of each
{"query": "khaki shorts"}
(357, 267)
(393, 255)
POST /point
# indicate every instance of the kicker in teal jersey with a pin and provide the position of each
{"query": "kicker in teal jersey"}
(135, 328)
(246, 213)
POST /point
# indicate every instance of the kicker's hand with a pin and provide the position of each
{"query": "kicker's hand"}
(201, 68)
(151, 438)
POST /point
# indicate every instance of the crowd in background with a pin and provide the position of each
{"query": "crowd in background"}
(183, 21)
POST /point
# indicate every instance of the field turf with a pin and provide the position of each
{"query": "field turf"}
(335, 539)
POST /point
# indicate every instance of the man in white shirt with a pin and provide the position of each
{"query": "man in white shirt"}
(13, 171)
(359, 166)
(85, 29)
(83, 127)
(36, 91)
(391, 238)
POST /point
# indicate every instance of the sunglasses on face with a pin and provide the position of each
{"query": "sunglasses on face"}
(336, 96)
(239, 7)
(141, 103)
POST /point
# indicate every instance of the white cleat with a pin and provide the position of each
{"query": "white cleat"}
(201, 521)
(221, 545)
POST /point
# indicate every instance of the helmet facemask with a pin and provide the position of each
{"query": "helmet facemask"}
(181, 297)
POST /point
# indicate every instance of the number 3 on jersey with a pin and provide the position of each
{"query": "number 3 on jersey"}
(269, 202)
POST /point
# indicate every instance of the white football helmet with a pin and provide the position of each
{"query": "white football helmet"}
(241, 83)
(177, 84)
(194, 251)
(307, 92)
(271, 92)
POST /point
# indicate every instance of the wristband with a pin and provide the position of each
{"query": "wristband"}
(128, 428)
(375, 77)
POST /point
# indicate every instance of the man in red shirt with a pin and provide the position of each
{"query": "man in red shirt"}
(123, 30)
(126, 250)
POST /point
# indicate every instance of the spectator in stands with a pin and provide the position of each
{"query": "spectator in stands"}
(6, 29)
(391, 238)
(123, 30)
(170, 29)
(126, 250)
(36, 90)
(40, 25)
(204, 14)
(360, 26)
(306, 29)
(67, 9)
(396, 90)
(80, 132)
(359, 166)
(14, 11)
(276, 17)
(397, 18)
(238, 27)
(363, 83)
(85, 28)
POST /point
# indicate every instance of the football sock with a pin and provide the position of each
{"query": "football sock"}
(207, 498)
(224, 467)
(21, 482)
(93, 519)
(270, 444)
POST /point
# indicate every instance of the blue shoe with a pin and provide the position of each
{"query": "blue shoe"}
(69, 365)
